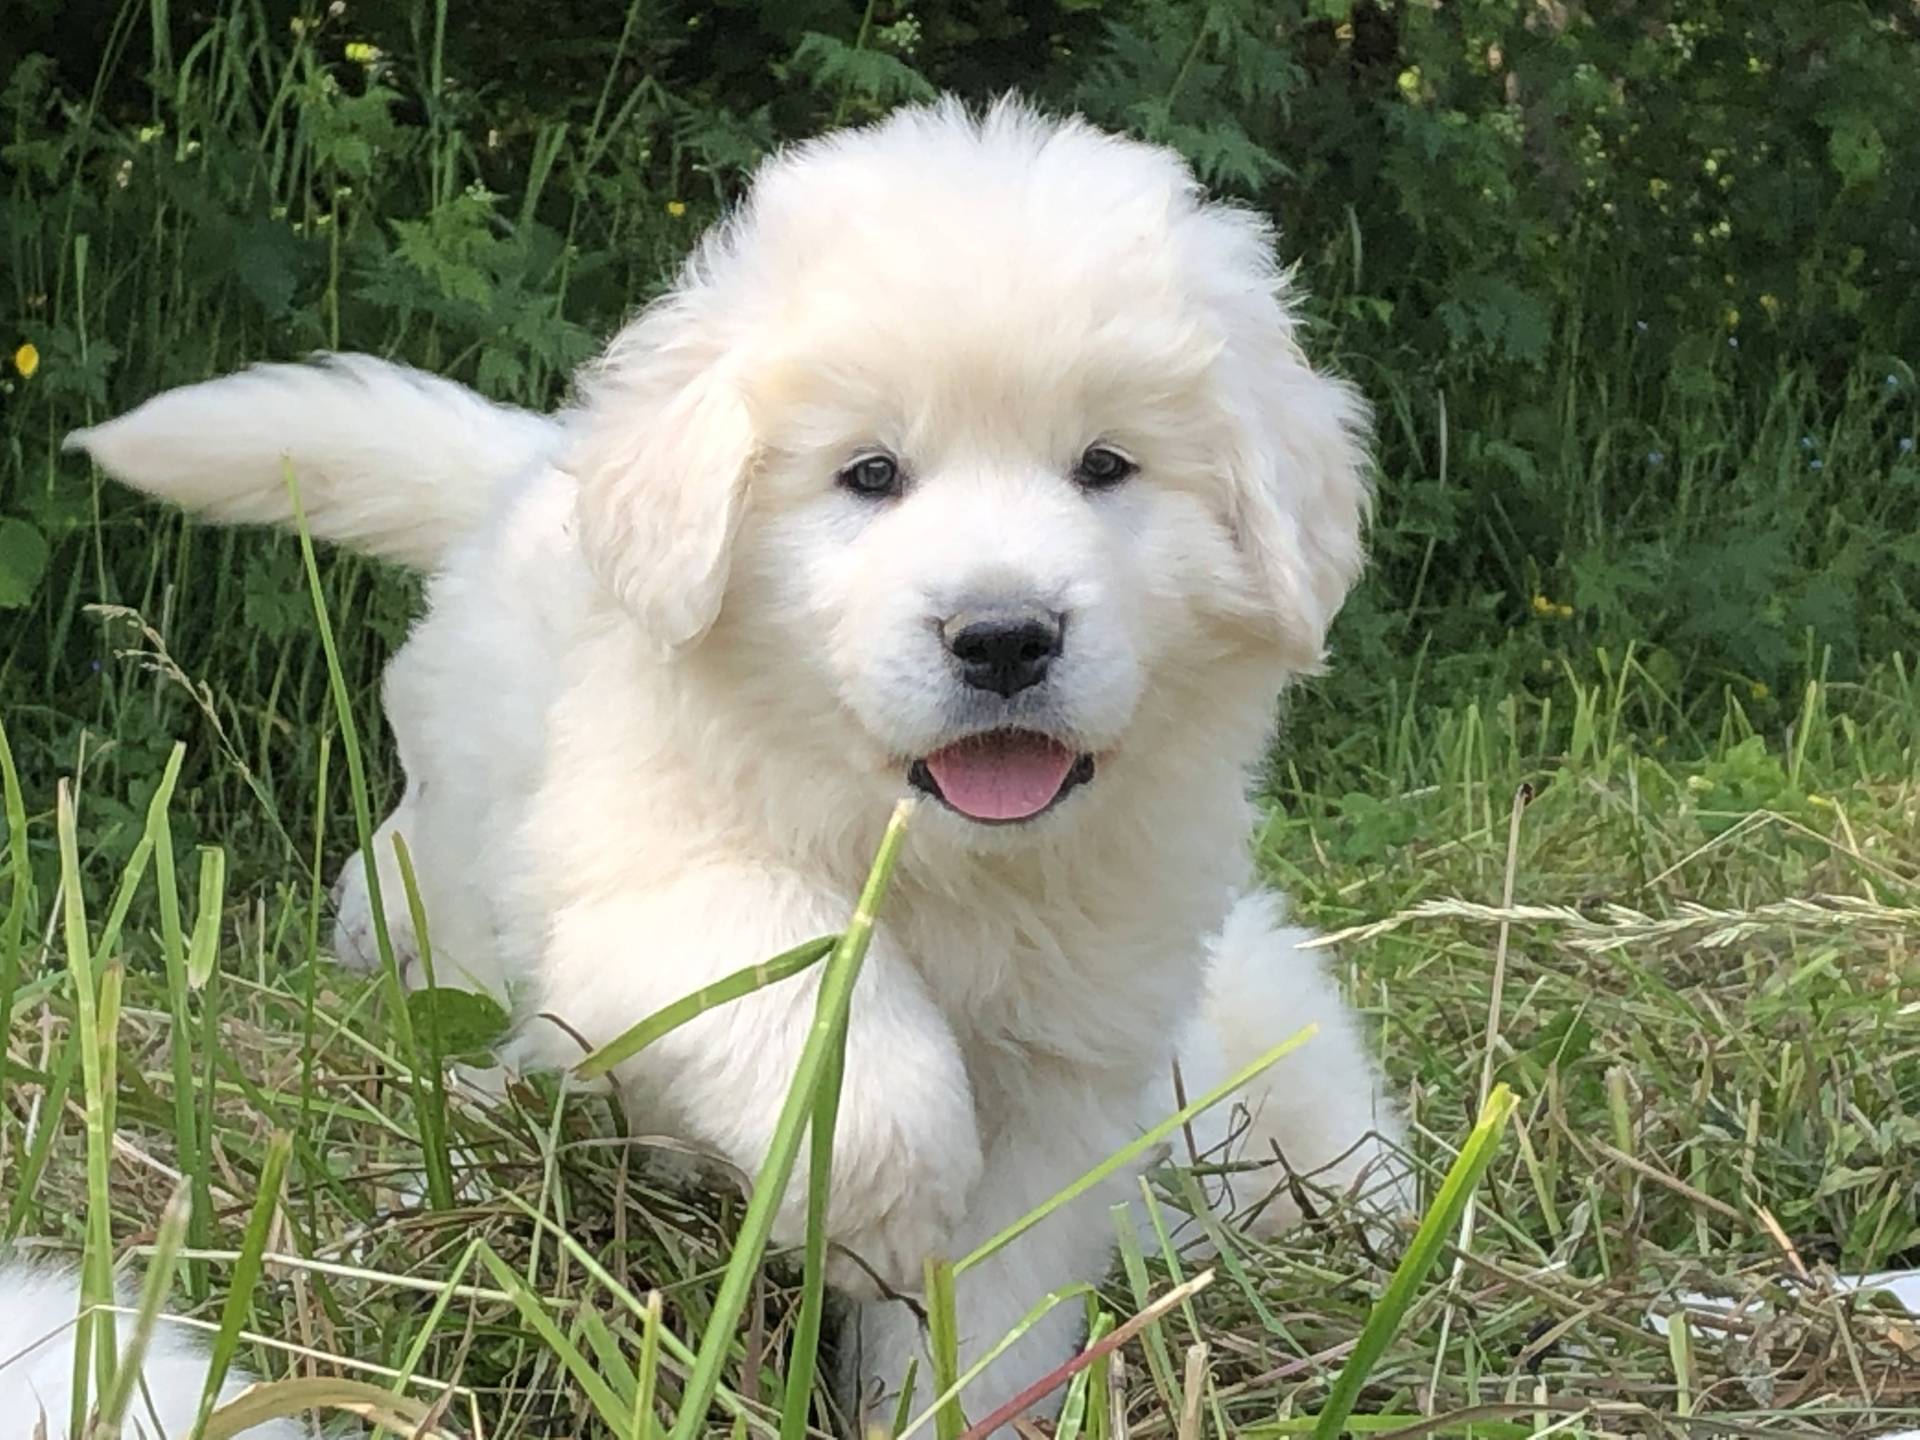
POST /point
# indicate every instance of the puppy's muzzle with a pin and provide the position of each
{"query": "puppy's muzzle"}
(1004, 650)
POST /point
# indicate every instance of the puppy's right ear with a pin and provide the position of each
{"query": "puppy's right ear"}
(662, 457)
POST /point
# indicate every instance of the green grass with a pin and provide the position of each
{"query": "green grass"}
(1709, 1021)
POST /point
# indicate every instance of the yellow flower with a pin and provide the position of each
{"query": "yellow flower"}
(1542, 605)
(361, 52)
(676, 208)
(1564, 611)
(1759, 690)
(27, 360)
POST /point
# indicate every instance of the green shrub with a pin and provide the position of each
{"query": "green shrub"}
(1632, 286)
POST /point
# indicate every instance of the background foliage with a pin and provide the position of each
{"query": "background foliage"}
(1635, 288)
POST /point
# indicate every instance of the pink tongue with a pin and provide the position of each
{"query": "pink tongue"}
(1006, 775)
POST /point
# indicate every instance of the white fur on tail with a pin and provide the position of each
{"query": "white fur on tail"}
(390, 461)
(37, 1311)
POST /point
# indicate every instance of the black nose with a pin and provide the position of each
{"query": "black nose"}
(1005, 651)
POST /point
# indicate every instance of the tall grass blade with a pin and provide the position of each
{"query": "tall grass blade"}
(667, 1019)
(830, 1014)
(813, 1279)
(1384, 1320)
(186, 1129)
(167, 1241)
(94, 1342)
(434, 1139)
(647, 1375)
(245, 1277)
(20, 868)
(439, 1176)
(136, 866)
(614, 1413)
(943, 1346)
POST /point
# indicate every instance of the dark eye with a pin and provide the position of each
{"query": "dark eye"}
(1101, 468)
(875, 476)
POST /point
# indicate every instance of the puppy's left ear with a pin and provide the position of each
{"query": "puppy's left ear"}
(1297, 470)
(664, 447)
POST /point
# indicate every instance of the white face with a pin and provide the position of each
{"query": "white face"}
(986, 567)
(967, 447)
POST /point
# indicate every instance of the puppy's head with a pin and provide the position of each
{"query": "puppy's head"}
(976, 440)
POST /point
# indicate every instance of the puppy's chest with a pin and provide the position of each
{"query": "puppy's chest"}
(1059, 982)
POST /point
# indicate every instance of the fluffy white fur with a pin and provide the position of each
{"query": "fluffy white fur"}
(38, 1305)
(673, 677)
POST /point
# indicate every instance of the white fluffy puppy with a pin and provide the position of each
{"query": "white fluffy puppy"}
(38, 1306)
(974, 456)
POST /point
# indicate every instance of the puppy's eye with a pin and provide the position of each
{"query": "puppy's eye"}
(1102, 468)
(874, 476)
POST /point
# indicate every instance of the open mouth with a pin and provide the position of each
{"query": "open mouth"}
(1001, 777)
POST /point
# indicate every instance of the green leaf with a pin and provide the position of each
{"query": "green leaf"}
(470, 1023)
(836, 67)
(1855, 147)
(23, 560)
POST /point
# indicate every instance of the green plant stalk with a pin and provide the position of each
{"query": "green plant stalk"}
(1145, 1320)
(94, 1338)
(612, 1410)
(246, 1275)
(944, 1336)
(310, 951)
(430, 1325)
(813, 1278)
(112, 980)
(1073, 1409)
(830, 1014)
(136, 866)
(647, 1375)
(943, 1346)
(1428, 1241)
(203, 946)
(682, 1354)
(667, 1019)
(186, 1129)
(1680, 1351)
(436, 1051)
(1133, 1264)
(616, 1370)
(433, 1147)
(167, 1242)
(14, 926)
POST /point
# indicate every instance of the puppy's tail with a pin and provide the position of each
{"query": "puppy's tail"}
(390, 461)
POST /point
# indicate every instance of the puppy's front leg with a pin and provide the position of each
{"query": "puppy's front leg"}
(906, 1147)
(1054, 1128)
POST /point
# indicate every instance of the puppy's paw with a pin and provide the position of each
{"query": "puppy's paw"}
(355, 943)
(1369, 1180)
(903, 1177)
(887, 1254)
